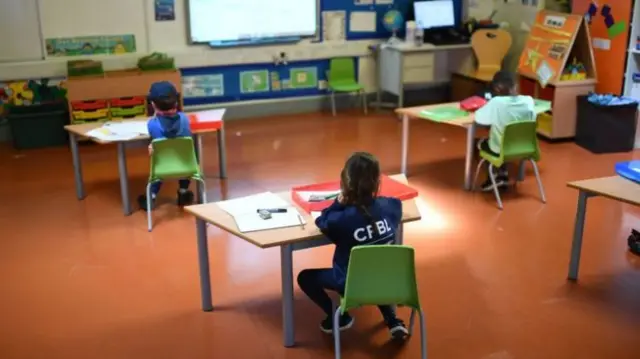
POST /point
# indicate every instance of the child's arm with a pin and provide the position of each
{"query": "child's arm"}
(328, 219)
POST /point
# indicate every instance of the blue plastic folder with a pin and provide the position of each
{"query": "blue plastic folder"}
(629, 170)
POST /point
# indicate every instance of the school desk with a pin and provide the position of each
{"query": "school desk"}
(81, 130)
(467, 122)
(288, 239)
(614, 187)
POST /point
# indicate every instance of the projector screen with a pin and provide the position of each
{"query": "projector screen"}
(212, 21)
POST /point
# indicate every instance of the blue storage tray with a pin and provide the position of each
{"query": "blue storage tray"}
(629, 170)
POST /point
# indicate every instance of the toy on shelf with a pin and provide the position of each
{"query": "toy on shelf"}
(574, 71)
(84, 68)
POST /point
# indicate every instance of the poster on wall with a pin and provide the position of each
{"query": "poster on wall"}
(203, 86)
(303, 77)
(165, 10)
(91, 45)
(254, 81)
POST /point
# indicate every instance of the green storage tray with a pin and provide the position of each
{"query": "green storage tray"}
(156, 61)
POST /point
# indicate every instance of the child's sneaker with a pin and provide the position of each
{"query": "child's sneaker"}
(142, 202)
(346, 322)
(397, 329)
(634, 242)
(185, 197)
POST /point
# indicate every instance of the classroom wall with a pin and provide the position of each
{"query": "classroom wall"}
(609, 47)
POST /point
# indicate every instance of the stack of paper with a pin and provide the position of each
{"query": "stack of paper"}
(244, 211)
(119, 131)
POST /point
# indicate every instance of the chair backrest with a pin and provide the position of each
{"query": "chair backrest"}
(342, 69)
(381, 275)
(520, 140)
(173, 158)
(490, 47)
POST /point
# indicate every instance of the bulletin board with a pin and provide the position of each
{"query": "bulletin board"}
(254, 82)
(554, 39)
(609, 27)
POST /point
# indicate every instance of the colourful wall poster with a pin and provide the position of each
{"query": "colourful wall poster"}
(165, 10)
(303, 77)
(91, 45)
(254, 81)
(203, 86)
(609, 27)
(32, 92)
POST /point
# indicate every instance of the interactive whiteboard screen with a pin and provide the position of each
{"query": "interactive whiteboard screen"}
(212, 21)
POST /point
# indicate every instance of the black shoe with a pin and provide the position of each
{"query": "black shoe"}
(502, 182)
(142, 202)
(346, 321)
(185, 198)
(397, 329)
(634, 242)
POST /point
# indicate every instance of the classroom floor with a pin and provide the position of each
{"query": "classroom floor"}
(80, 280)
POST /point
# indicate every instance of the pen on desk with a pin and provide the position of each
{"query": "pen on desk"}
(273, 210)
(301, 221)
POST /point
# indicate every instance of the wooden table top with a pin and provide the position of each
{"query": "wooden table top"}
(614, 187)
(84, 128)
(212, 213)
(416, 112)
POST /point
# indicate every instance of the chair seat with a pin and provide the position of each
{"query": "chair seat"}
(497, 161)
(345, 86)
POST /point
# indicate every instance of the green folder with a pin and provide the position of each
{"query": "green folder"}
(444, 114)
(540, 106)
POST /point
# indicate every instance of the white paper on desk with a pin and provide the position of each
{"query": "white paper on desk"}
(362, 21)
(104, 134)
(128, 127)
(251, 204)
(251, 222)
(211, 115)
(315, 215)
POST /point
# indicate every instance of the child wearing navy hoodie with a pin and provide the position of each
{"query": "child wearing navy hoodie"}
(358, 217)
(167, 122)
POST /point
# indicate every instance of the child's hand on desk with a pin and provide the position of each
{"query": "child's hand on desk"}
(150, 149)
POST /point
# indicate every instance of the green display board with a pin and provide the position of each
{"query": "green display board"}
(303, 77)
(254, 81)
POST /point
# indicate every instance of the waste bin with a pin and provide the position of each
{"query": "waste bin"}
(605, 129)
(38, 126)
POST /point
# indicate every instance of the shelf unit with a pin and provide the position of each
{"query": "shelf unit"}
(633, 63)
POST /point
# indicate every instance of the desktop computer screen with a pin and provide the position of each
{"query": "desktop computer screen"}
(434, 14)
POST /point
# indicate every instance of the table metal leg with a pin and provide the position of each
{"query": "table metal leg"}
(576, 246)
(77, 166)
(405, 144)
(286, 257)
(468, 160)
(222, 152)
(203, 264)
(124, 178)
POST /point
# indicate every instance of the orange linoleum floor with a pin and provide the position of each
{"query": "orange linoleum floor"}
(80, 280)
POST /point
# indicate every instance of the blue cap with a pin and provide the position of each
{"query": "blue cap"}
(162, 89)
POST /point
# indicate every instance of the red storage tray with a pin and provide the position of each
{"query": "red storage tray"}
(472, 103)
(127, 101)
(88, 105)
(196, 124)
(388, 188)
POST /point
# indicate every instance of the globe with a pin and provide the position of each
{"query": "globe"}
(393, 20)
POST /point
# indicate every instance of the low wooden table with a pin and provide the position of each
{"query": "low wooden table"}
(81, 130)
(288, 239)
(616, 188)
(467, 122)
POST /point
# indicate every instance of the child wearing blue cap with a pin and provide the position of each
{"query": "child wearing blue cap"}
(167, 122)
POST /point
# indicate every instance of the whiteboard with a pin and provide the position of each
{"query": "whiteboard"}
(238, 20)
(21, 38)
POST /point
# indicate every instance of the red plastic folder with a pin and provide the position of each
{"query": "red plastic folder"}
(206, 120)
(472, 103)
(388, 188)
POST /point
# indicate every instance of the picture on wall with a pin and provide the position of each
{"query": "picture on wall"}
(165, 10)
(203, 86)
(303, 77)
(91, 45)
(254, 81)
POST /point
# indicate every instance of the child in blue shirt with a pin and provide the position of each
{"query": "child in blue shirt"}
(357, 217)
(167, 122)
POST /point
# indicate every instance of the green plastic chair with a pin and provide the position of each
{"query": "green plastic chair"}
(173, 158)
(381, 275)
(519, 143)
(341, 77)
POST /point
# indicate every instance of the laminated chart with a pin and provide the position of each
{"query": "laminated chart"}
(254, 81)
(203, 86)
(303, 77)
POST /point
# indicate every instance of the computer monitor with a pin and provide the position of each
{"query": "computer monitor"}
(434, 14)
